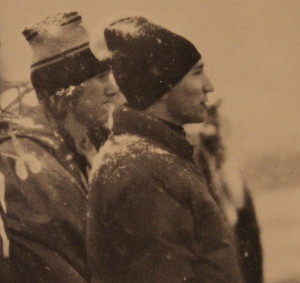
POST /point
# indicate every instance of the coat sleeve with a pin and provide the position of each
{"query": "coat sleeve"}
(247, 233)
(137, 232)
(43, 220)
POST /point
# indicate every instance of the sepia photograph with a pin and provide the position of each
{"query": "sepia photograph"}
(149, 141)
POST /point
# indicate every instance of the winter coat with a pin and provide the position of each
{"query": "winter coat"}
(150, 216)
(231, 192)
(229, 189)
(44, 208)
(247, 233)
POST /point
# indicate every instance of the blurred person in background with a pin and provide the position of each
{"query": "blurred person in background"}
(230, 191)
(151, 217)
(45, 158)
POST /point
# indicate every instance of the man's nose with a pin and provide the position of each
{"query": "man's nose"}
(111, 89)
(207, 85)
(118, 99)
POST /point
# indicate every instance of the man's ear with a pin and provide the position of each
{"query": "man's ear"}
(61, 107)
(72, 100)
(57, 106)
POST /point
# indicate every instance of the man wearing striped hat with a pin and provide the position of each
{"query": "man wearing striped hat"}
(44, 165)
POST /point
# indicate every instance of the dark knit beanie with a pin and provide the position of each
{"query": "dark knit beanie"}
(148, 59)
(61, 53)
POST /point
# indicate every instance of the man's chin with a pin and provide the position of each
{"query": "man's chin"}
(196, 119)
(93, 122)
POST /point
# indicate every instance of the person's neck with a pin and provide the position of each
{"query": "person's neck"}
(160, 111)
(80, 136)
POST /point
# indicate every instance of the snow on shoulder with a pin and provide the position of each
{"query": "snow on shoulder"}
(123, 146)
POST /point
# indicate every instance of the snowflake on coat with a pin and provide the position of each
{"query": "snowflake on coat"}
(120, 146)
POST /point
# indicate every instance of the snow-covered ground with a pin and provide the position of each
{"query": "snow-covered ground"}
(278, 212)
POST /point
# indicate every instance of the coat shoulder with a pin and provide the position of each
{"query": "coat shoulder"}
(128, 152)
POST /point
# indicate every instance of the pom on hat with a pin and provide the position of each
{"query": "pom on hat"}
(61, 53)
(148, 59)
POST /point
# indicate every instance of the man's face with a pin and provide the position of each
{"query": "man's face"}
(98, 96)
(186, 101)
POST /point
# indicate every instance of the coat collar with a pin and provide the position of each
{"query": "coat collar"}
(128, 120)
(179, 129)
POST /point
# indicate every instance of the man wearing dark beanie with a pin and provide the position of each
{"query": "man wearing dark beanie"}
(151, 217)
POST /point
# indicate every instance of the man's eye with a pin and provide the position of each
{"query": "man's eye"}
(197, 72)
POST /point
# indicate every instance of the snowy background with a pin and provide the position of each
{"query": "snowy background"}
(251, 52)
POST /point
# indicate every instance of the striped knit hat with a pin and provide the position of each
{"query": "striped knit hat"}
(61, 53)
